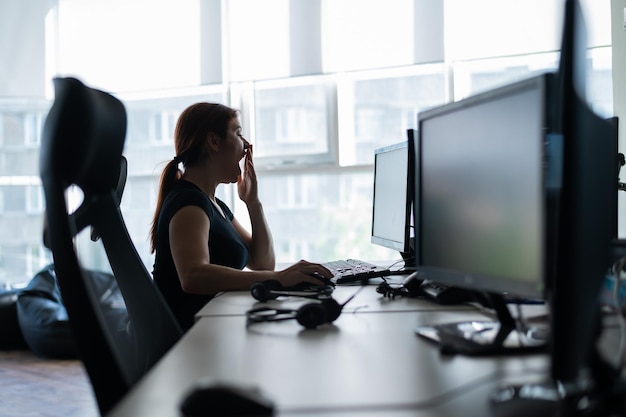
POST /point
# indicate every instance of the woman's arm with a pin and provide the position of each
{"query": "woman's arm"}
(260, 243)
(189, 234)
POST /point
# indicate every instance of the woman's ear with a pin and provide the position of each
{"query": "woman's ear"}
(213, 141)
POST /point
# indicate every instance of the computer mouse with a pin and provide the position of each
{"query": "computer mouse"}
(309, 286)
(323, 280)
(209, 398)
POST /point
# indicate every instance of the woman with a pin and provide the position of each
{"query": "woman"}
(200, 247)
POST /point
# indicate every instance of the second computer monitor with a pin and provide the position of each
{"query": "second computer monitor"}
(391, 212)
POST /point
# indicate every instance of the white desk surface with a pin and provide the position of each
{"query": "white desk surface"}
(362, 364)
(366, 300)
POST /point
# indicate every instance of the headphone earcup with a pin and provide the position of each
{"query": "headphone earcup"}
(312, 315)
(262, 291)
(332, 308)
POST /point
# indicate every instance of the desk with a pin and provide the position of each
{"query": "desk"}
(363, 364)
(367, 300)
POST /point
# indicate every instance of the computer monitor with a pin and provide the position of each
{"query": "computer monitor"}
(581, 381)
(588, 208)
(392, 198)
(487, 172)
(567, 173)
(587, 226)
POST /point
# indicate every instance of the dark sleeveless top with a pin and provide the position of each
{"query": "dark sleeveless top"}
(225, 248)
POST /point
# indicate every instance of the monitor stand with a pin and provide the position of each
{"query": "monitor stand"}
(537, 400)
(598, 391)
(504, 335)
(409, 257)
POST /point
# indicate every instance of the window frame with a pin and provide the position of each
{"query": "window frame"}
(245, 95)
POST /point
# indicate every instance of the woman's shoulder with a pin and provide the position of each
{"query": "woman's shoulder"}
(225, 209)
(186, 187)
(185, 193)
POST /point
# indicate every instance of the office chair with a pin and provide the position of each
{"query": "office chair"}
(82, 145)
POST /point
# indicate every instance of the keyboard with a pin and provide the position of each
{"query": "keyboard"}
(352, 270)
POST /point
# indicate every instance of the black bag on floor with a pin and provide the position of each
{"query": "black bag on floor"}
(10, 333)
(43, 318)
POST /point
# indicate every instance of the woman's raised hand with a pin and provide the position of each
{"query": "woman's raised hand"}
(247, 182)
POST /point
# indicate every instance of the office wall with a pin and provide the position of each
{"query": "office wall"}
(618, 8)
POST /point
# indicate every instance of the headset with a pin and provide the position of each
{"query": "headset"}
(272, 289)
(310, 315)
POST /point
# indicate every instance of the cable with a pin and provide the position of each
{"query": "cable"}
(402, 270)
(389, 291)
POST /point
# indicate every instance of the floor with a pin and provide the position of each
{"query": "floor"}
(34, 387)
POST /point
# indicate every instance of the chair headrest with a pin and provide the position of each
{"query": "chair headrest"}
(83, 138)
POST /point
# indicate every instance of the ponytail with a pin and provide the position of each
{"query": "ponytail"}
(169, 176)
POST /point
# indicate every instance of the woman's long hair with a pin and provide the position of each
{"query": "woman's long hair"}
(192, 129)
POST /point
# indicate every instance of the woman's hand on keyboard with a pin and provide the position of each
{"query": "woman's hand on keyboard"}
(304, 271)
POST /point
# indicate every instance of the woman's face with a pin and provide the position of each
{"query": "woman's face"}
(235, 149)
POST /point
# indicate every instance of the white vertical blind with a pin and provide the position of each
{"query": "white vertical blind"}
(124, 45)
(360, 34)
(258, 39)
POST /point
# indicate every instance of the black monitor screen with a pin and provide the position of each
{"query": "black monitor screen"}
(391, 191)
(482, 194)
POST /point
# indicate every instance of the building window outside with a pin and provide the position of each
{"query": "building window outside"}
(162, 127)
(314, 136)
(37, 257)
(329, 210)
(13, 129)
(33, 128)
(474, 76)
(292, 121)
(13, 199)
(34, 199)
(377, 107)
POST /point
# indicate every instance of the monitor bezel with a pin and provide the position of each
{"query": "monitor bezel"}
(404, 246)
(480, 281)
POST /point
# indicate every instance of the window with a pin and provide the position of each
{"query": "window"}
(37, 257)
(365, 34)
(377, 108)
(162, 127)
(124, 46)
(13, 198)
(33, 127)
(330, 211)
(151, 124)
(293, 121)
(258, 39)
(34, 199)
(319, 86)
(600, 85)
(472, 77)
(510, 28)
(21, 128)
(12, 129)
